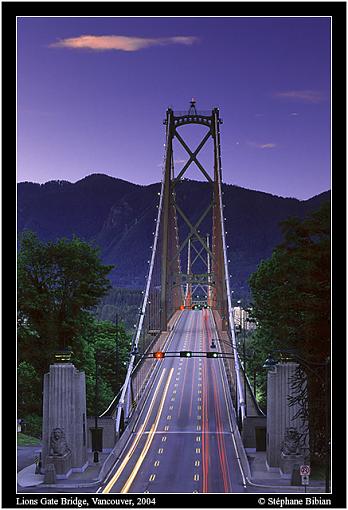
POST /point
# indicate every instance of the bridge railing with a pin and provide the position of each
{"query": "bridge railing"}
(149, 314)
(199, 113)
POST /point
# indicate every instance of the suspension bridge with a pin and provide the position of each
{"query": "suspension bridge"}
(185, 400)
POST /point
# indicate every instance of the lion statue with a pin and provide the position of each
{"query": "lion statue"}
(291, 441)
(58, 444)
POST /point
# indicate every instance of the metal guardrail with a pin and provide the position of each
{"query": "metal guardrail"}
(122, 400)
(188, 114)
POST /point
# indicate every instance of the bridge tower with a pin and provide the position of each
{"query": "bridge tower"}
(214, 277)
(202, 237)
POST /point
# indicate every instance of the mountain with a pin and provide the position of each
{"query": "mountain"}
(118, 216)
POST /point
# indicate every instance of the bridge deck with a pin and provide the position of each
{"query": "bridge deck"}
(183, 440)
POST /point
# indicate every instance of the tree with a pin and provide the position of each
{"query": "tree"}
(28, 390)
(291, 303)
(112, 345)
(58, 282)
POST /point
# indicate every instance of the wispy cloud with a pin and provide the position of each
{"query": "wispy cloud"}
(120, 42)
(176, 162)
(306, 96)
(262, 145)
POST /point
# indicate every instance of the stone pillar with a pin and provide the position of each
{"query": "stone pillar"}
(280, 415)
(64, 407)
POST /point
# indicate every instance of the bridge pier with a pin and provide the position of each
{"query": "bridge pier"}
(64, 411)
(280, 415)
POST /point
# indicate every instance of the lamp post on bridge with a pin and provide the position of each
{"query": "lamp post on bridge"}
(241, 330)
(270, 363)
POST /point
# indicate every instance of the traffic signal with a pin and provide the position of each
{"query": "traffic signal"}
(212, 354)
(185, 354)
(159, 355)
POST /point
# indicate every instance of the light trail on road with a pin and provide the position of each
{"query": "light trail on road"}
(183, 441)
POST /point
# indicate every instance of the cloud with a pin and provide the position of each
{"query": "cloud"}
(176, 162)
(306, 96)
(266, 146)
(120, 42)
(262, 145)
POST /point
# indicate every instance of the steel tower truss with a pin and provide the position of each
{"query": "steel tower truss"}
(166, 283)
(213, 280)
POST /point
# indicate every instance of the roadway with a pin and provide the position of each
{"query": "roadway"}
(183, 440)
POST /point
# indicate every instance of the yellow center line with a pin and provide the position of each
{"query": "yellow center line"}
(151, 435)
(135, 442)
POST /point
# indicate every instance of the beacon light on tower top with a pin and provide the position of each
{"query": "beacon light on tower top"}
(192, 109)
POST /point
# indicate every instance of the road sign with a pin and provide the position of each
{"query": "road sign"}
(305, 479)
(305, 470)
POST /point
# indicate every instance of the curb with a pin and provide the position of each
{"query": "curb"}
(253, 484)
(56, 485)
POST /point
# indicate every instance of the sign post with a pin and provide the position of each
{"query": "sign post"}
(305, 471)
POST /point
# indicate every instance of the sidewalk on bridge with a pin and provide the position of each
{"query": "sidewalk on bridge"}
(262, 477)
(90, 477)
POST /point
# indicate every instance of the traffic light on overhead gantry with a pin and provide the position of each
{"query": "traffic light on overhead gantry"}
(185, 354)
(159, 355)
(212, 354)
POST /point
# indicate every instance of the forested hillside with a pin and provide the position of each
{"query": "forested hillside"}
(118, 216)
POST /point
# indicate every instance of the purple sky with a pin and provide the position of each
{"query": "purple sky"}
(96, 104)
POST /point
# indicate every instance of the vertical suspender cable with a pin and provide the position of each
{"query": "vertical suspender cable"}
(241, 401)
(135, 342)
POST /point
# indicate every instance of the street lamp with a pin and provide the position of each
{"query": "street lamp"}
(241, 329)
(270, 364)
